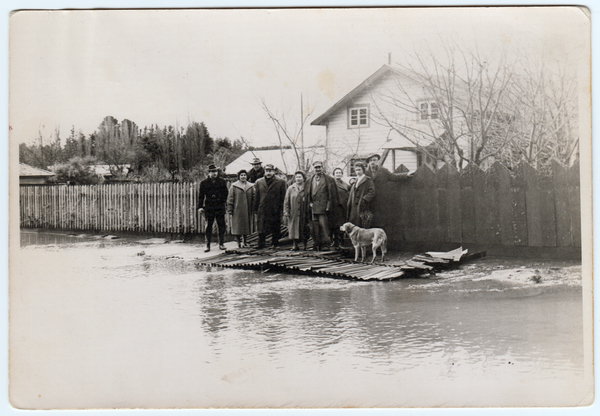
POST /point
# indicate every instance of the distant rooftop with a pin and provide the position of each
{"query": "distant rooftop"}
(285, 160)
(27, 170)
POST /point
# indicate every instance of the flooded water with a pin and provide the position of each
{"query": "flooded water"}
(107, 323)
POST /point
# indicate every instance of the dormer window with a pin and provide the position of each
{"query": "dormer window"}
(428, 110)
(358, 116)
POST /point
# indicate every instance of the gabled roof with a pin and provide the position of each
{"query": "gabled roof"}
(27, 170)
(367, 83)
(283, 159)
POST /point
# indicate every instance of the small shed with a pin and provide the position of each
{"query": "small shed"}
(29, 175)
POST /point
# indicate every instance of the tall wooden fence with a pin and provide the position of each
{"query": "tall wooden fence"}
(492, 208)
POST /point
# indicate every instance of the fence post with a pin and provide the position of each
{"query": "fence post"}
(448, 180)
(498, 180)
(426, 204)
(519, 207)
(533, 202)
(470, 183)
(575, 203)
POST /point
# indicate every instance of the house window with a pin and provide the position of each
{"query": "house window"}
(429, 110)
(358, 117)
(353, 161)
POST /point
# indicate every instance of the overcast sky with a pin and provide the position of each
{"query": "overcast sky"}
(73, 68)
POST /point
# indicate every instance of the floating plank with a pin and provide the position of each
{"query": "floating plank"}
(431, 260)
(454, 255)
(329, 264)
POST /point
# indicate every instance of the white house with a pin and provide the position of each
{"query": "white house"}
(367, 120)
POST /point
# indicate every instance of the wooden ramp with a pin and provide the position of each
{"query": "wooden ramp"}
(332, 263)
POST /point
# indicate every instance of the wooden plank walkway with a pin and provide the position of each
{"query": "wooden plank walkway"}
(332, 263)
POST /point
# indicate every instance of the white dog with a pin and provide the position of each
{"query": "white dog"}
(363, 237)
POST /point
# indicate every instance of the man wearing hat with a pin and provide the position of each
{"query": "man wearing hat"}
(381, 176)
(321, 196)
(257, 170)
(268, 204)
(211, 203)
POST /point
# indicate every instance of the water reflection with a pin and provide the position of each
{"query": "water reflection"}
(213, 304)
(33, 238)
(265, 331)
(388, 323)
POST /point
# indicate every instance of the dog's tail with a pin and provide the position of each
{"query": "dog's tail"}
(382, 241)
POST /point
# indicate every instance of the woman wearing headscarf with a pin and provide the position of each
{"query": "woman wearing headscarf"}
(239, 205)
(295, 211)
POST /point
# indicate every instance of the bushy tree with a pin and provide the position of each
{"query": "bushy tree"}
(77, 171)
(150, 152)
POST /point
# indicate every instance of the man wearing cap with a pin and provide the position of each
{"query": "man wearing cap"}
(211, 203)
(268, 204)
(321, 198)
(381, 176)
(257, 171)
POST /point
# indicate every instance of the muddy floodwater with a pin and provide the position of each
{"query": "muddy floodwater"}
(104, 323)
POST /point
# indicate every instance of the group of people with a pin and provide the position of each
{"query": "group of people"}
(314, 206)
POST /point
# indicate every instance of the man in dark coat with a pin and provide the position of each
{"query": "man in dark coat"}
(380, 176)
(321, 194)
(268, 204)
(211, 203)
(257, 171)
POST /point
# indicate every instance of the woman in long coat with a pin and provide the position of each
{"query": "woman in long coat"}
(239, 207)
(339, 211)
(295, 211)
(362, 193)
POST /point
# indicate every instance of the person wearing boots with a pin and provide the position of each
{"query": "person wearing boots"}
(211, 203)
(268, 204)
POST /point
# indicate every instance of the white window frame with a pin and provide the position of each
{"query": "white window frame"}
(362, 121)
(353, 160)
(428, 110)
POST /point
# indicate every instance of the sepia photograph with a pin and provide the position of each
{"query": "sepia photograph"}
(300, 208)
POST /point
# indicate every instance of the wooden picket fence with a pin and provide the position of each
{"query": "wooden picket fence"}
(516, 209)
(137, 207)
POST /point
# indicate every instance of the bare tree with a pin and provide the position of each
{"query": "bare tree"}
(452, 106)
(288, 135)
(545, 105)
(350, 148)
